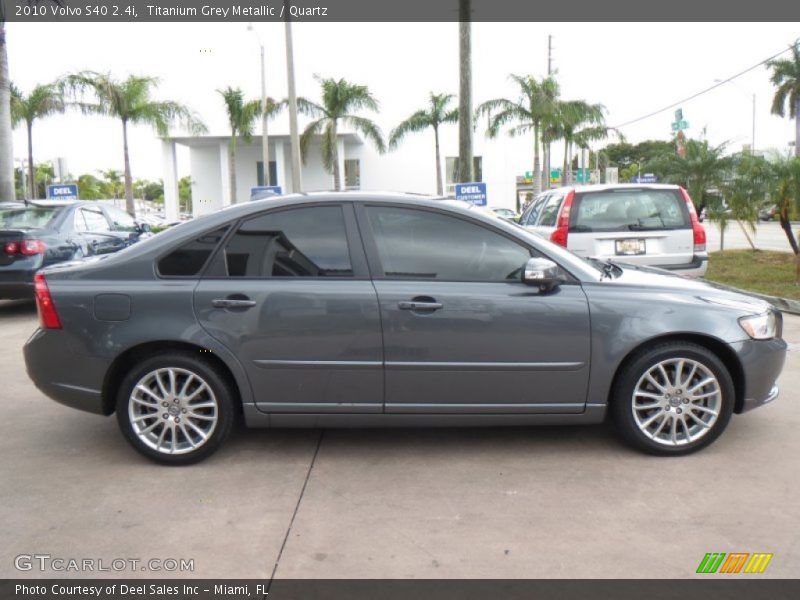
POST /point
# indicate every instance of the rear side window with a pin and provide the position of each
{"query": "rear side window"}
(299, 242)
(91, 220)
(629, 210)
(188, 260)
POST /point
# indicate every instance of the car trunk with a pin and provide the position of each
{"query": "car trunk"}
(639, 226)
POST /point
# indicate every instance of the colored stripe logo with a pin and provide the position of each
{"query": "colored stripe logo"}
(734, 562)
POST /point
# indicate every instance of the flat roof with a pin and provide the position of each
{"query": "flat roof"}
(198, 141)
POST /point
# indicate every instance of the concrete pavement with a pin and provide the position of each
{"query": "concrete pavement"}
(518, 502)
(768, 236)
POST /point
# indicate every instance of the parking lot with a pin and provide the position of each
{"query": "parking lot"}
(516, 502)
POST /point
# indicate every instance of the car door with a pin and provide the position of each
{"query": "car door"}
(289, 293)
(123, 226)
(462, 333)
(94, 229)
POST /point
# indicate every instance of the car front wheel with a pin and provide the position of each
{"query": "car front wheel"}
(673, 399)
(175, 408)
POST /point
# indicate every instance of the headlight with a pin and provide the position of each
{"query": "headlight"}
(760, 327)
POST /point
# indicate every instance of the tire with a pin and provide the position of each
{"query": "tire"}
(198, 401)
(673, 382)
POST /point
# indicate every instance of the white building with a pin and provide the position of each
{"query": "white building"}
(500, 163)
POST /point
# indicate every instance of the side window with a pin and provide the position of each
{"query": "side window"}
(299, 242)
(549, 212)
(120, 220)
(95, 220)
(188, 260)
(417, 244)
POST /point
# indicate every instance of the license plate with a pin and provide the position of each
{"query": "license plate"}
(629, 247)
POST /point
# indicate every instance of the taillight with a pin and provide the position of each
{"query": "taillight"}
(48, 317)
(25, 247)
(559, 236)
(698, 231)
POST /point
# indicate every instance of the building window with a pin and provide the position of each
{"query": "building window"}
(352, 174)
(451, 177)
(273, 173)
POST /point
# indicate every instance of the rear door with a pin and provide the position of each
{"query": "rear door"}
(649, 226)
(289, 293)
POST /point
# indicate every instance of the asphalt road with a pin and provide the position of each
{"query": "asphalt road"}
(517, 502)
(768, 236)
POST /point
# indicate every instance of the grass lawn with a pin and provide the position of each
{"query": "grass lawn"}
(762, 271)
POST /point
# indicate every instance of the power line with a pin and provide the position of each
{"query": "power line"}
(705, 91)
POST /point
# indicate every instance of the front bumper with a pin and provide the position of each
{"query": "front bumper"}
(762, 362)
(61, 372)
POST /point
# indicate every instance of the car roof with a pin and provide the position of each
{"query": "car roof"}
(603, 187)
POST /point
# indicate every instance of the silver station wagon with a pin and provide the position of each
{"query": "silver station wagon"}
(360, 309)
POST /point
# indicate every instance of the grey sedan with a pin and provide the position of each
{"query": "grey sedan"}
(356, 309)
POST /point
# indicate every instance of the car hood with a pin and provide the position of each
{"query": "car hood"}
(660, 280)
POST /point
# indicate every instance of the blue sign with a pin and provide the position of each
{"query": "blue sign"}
(68, 191)
(474, 193)
(644, 178)
(260, 189)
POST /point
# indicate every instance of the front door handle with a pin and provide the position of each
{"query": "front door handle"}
(233, 303)
(419, 304)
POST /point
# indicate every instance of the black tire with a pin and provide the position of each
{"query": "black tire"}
(622, 403)
(204, 371)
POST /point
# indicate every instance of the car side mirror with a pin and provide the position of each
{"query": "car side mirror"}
(541, 272)
(143, 227)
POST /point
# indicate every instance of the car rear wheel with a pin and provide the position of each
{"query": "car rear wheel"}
(673, 399)
(175, 408)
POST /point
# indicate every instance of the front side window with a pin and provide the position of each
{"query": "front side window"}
(121, 220)
(417, 244)
(300, 242)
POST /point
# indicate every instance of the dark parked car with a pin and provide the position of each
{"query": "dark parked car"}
(42, 233)
(374, 310)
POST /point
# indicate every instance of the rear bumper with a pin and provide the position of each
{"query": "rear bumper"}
(696, 268)
(762, 363)
(51, 360)
(16, 284)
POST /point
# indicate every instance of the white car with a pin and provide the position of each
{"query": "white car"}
(654, 225)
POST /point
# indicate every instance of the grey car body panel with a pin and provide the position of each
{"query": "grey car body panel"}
(569, 354)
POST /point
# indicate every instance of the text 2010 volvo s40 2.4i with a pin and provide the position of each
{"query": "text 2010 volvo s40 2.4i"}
(339, 309)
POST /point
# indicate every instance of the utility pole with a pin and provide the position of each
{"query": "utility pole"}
(464, 174)
(264, 108)
(297, 177)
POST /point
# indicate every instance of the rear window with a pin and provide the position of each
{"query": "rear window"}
(629, 210)
(26, 218)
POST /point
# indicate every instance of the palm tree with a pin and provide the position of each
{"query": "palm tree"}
(704, 167)
(241, 117)
(577, 123)
(786, 77)
(785, 190)
(44, 100)
(7, 188)
(129, 101)
(433, 116)
(534, 110)
(341, 100)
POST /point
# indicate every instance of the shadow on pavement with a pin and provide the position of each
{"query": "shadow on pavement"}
(17, 308)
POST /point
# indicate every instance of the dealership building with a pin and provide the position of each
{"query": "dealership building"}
(501, 163)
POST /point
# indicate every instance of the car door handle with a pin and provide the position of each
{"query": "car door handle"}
(233, 303)
(419, 305)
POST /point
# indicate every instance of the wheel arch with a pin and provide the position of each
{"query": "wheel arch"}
(127, 359)
(719, 348)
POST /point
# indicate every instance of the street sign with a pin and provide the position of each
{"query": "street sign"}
(275, 189)
(644, 178)
(474, 193)
(555, 175)
(679, 125)
(67, 191)
(679, 114)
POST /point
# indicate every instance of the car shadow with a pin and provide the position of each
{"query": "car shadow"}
(17, 308)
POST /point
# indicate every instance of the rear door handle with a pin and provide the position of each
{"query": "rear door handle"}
(233, 303)
(417, 305)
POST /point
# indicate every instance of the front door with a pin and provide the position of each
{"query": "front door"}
(291, 297)
(462, 333)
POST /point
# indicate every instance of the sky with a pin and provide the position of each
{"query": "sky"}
(631, 68)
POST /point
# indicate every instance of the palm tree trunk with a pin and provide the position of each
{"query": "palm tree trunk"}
(787, 226)
(129, 206)
(439, 187)
(564, 167)
(797, 128)
(232, 167)
(31, 177)
(337, 175)
(464, 174)
(537, 171)
(7, 188)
